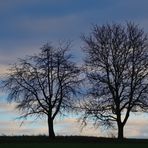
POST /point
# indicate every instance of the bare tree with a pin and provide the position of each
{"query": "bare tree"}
(44, 84)
(117, 70)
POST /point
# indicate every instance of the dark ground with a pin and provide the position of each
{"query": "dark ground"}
(69, 142)
(66, 139)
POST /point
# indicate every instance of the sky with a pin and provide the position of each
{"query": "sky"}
(26, 25)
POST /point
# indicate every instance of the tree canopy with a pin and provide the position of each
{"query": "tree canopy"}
(44, 84)
(117, 70)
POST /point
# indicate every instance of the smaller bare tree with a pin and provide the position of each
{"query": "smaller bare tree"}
(117, 69)
(44, 84)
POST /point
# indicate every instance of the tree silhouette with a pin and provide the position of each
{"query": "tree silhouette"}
(117, 69)
(44, 84)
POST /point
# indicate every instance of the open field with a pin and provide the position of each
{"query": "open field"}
(76, 141)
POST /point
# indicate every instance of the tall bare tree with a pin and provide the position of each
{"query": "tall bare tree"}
(44, 84)
(117, 70)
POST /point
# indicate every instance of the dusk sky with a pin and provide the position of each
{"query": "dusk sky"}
(26, 25)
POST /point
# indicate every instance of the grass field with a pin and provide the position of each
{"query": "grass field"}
(68, 142)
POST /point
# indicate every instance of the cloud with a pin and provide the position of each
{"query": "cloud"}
(27, 24)
(8, 111)
(9, 57)
(43, 25)
(36, 22)
(66, 126)
(3, 69)
(136, 127)
(71, 126)
(10, 124)
(13, 127)
(7, 106)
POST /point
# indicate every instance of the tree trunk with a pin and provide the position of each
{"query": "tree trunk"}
(120, 131)
(50, 128)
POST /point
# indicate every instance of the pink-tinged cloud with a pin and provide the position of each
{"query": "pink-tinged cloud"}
(136, 126)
